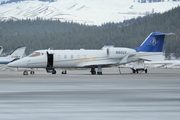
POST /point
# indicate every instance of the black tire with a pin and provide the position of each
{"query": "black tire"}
(64, 72)
(99, 73)
(32, 72)
(54, 72)
(25, 72)
(93, 72)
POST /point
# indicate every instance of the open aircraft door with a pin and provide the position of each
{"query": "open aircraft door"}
(50, 62)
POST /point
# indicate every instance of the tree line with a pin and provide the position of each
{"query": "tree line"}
(43, 34)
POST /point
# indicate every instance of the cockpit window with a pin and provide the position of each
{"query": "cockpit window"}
(35, 54)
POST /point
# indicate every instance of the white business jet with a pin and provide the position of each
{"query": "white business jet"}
(106, 57)
(15, 55)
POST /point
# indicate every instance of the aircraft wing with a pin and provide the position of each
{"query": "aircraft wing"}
(95, 63)
(108, 62)
(105, 62)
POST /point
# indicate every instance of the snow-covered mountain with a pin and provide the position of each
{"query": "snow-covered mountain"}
(91, 12)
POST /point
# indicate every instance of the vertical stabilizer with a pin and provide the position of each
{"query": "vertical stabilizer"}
(153, 43)
(18, 53)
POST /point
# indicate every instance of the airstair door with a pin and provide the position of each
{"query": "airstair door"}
(50, 59)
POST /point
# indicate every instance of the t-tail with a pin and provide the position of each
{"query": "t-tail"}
(153, 43)
(18, 53)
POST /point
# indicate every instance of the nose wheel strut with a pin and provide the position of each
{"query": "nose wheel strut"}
(26, 72)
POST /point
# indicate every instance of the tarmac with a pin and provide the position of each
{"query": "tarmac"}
(78, 95)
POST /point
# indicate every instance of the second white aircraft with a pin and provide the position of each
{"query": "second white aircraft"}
(105, 57)
(16, 54)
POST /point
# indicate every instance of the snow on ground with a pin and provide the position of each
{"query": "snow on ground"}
(91, 12)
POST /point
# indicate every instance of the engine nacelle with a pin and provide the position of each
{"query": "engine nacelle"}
(118, 52)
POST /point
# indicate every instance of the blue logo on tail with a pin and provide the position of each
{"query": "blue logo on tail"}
(154, 41)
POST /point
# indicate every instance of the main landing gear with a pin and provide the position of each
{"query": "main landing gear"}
(99, 71)
(93, 71)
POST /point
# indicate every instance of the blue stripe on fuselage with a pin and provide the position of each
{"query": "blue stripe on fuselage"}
(6, 62)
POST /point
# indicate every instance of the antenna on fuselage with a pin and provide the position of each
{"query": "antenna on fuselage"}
(51, 48)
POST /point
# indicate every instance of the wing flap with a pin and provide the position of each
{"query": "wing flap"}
(104, 63)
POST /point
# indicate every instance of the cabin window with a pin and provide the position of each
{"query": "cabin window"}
(107, 51)
(65, 56)
(59, 57)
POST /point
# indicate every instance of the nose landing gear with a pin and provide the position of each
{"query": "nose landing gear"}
(26, 72)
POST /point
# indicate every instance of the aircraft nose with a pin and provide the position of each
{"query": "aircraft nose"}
(17, 63)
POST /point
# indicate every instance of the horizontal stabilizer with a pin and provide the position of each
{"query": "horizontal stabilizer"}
(153, 56)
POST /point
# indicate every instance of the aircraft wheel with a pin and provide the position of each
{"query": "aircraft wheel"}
(25, 72)
(133, 71)
(145, 70)
(99, 73)
(93, 72)
(137, 71)
(64, 72)
(32, 72)
(54, 72)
